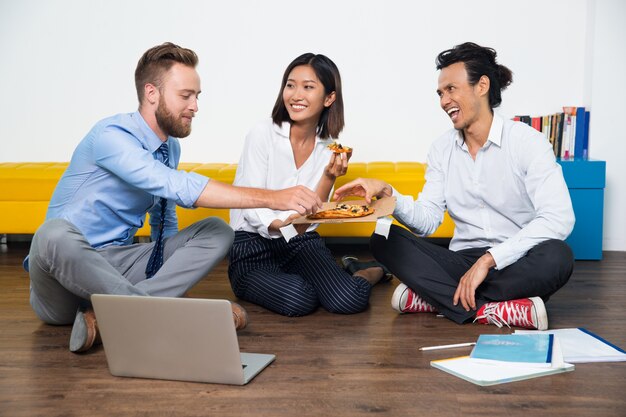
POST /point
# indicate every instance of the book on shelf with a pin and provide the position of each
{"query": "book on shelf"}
(569, 136)
(559, 134)
(580, 345)
(534, 350)
(585, 152)
(486, 374)
(580, 132)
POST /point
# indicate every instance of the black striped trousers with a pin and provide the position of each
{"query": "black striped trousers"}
(293, 278)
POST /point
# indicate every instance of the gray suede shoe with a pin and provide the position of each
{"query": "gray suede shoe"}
(85, 331)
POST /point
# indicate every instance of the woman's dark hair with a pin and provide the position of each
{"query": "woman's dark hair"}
(479, 61)
(331, 120)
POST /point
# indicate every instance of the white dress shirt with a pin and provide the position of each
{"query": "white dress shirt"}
(512, 197)
(267, 161)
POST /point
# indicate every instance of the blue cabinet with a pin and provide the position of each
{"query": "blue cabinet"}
(586, 180)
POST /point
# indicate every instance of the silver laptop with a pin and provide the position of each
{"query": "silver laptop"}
(187, 339)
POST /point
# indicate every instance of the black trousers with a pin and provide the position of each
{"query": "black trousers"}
(434, 272)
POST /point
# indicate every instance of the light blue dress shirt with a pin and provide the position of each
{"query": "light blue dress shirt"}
(115, 177)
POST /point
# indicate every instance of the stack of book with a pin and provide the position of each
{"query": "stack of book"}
(568, 132)
(497, 359)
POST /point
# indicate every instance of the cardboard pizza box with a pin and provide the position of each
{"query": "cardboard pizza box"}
(382, 207)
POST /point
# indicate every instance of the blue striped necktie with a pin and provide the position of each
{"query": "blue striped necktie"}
(156, 257)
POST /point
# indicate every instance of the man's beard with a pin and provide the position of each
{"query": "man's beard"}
(170, 124)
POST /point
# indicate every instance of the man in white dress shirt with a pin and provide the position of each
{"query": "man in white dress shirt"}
(501, 184)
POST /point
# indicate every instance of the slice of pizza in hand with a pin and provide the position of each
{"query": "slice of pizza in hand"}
(343, 211)
(339, 148)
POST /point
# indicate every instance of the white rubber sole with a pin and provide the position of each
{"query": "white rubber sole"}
(541, 313)
(396, 298)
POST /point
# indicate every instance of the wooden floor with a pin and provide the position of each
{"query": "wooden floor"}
(327, 365)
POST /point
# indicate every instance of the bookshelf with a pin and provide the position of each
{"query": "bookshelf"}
(586, 179)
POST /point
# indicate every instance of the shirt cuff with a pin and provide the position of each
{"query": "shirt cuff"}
(404, 203)
(267, 216)
(192, 186)
(503, 255)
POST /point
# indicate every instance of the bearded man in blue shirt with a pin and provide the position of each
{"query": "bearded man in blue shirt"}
(125, 167)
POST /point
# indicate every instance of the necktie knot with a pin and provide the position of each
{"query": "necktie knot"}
(164, 152)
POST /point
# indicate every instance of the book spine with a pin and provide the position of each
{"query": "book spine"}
(567, 125)
(550, 347)
(568, 141)
(580, 132)
(559, 136)
(586, 136)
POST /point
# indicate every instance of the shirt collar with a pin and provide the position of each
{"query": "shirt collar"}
(150, 139)
(495, 132)
(284, 130)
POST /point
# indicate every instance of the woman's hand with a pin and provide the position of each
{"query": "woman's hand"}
(338, 165)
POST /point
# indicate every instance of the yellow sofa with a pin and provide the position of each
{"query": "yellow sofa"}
(26, 188)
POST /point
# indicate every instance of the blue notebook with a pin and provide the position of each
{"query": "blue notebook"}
(529, 350)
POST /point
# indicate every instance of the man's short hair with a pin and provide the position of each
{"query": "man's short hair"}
(479, 61)
(156, 61)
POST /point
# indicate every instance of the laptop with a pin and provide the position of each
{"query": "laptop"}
(186, 339)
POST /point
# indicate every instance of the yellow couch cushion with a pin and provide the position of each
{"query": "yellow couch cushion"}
(26, 189)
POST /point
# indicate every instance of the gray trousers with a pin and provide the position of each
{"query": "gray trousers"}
(65, 270)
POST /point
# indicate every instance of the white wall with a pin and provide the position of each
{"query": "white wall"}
(67, 63)
(607, 135)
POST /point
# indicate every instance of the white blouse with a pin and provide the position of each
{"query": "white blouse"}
(267, 161)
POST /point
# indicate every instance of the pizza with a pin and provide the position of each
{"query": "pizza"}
(338, 148)
(343, 211)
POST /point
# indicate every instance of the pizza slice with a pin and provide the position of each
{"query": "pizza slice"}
(339, 148)
(343, 211)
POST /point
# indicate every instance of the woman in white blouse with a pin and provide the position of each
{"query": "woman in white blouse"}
(284, 268)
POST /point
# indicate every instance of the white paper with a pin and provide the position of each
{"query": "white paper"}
(383, 225)
(288, 232)
(579, 346)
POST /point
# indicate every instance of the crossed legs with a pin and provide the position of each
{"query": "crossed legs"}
(65, 270)
(434, 272)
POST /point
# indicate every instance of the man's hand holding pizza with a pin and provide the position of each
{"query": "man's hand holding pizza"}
(364, 187)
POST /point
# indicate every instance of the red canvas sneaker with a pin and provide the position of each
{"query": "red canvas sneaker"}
(529, 313)
(405, 300)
